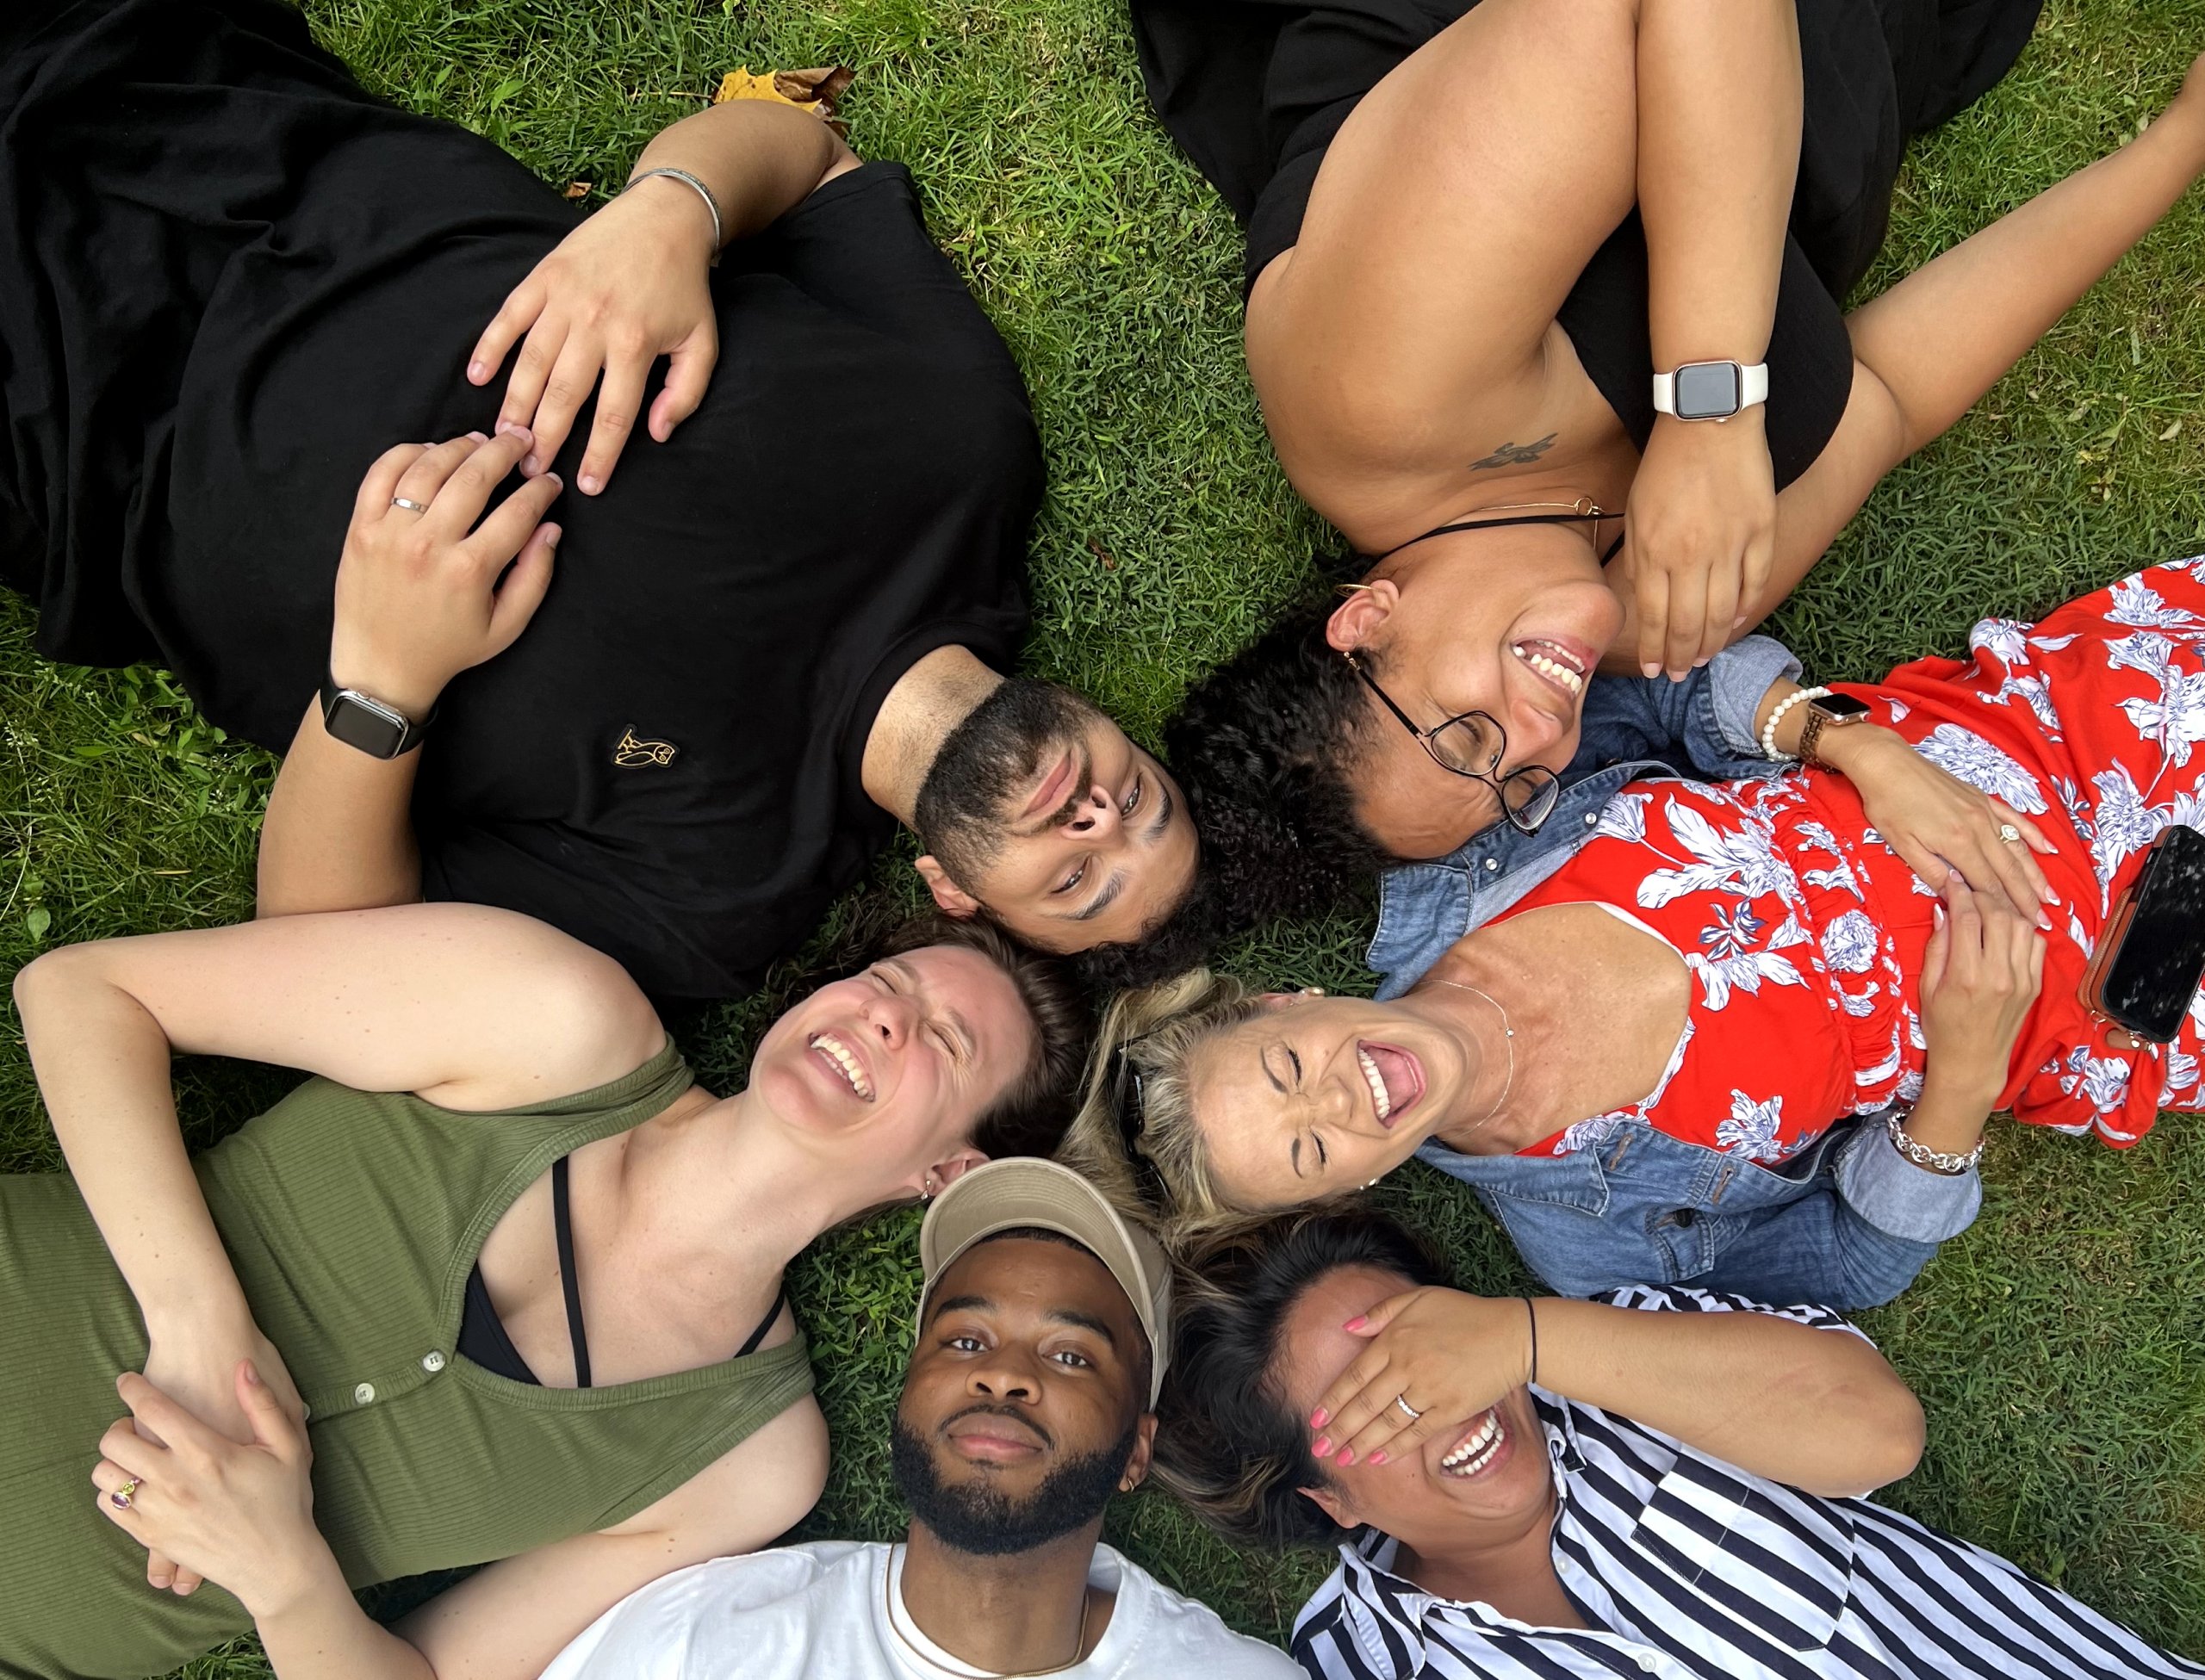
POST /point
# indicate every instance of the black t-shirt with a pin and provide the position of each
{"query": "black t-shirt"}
(1254, 91)
(666, 764)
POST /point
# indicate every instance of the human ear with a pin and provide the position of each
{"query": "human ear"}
(1326, 1500)
(1360, 617)
(1137, 1462)
(943, 1174)
(950, 898)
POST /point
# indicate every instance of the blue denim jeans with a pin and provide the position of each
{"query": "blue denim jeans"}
(1847, 1223)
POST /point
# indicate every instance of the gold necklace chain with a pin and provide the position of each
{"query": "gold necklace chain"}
(1080, 1652)
(1508, 1042)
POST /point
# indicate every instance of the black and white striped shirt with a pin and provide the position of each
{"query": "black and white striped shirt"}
(1687, 1568)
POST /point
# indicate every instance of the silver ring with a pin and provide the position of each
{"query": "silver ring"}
(1402, 1401)
(2008, 833)
(411, 507)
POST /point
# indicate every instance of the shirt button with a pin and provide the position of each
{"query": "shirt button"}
(364, 1394)
(1493, 863)
(432, 1362)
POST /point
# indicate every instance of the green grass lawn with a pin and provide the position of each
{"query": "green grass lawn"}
(2060, 1345)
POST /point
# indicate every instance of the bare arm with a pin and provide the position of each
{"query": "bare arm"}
(1817, 1408)
(243, 1515)
(629, 284)
(1454, 211)
(388, 1000)
(419, 599)
(474, 1007)
(1716, 169)
(1932, 345)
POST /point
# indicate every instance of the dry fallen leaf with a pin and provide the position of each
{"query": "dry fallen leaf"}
(574, 189)
(2171, 433)
(814, 90)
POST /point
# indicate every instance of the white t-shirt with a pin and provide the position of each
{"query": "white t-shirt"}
(822, 1608)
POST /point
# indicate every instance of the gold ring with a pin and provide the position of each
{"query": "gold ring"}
(2008, 833)
(121, 1497)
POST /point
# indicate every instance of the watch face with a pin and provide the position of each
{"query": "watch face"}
(1707, 391)
(358, 721)
(1840, 708)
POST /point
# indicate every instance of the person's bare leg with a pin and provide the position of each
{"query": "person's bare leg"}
(1929, 348)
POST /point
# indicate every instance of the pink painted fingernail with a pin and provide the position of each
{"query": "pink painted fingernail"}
(591, 484)
(1317, 1418)
(1355, 1323)
(1346, 1457)
(1377, 1457)
(1323, 1446)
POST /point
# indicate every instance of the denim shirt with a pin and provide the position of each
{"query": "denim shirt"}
(1634, 727)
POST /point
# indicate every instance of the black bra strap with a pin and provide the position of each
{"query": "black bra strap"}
(562, 1232)
(757, 1336)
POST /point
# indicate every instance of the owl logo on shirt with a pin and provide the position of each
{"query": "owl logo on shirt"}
(633, 752)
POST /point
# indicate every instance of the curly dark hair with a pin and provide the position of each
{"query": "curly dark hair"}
(1263, 746)
(1225, 1441)
(1182, 940)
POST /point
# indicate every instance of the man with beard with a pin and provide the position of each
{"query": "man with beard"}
(696, 859)
(1030, 1399)
(236, 278)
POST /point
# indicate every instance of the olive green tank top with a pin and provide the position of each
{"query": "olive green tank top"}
(353, 1219)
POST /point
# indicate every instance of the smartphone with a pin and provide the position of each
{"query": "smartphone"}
(2152, 954)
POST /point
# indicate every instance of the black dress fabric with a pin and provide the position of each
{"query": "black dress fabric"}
(230, 278)
(1254, 91)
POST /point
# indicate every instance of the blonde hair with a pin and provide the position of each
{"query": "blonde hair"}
(1159, 1028)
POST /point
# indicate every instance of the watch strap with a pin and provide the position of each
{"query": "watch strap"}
(1820, 717)
(1753, 386)
(410, 736)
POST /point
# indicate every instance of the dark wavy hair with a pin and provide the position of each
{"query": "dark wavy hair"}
(1225, 1441)
(1031, 1117)
(1263, 746)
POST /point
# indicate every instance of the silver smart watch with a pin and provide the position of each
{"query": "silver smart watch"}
(371, 726)
(1710, 390)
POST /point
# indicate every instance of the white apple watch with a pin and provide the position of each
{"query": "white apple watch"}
(1710, 390)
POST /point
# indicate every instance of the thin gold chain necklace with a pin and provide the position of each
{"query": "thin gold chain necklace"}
(1508, 1042)
(888, 1595)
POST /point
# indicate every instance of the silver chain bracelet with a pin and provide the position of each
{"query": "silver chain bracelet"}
(1935, 1161)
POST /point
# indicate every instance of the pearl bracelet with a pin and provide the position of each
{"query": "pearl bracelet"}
(1768, 729)
(1935, 1161)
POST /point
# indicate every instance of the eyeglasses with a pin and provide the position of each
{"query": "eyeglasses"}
(1473, 738)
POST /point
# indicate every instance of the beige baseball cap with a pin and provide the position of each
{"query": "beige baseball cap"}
(1026, 1190)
